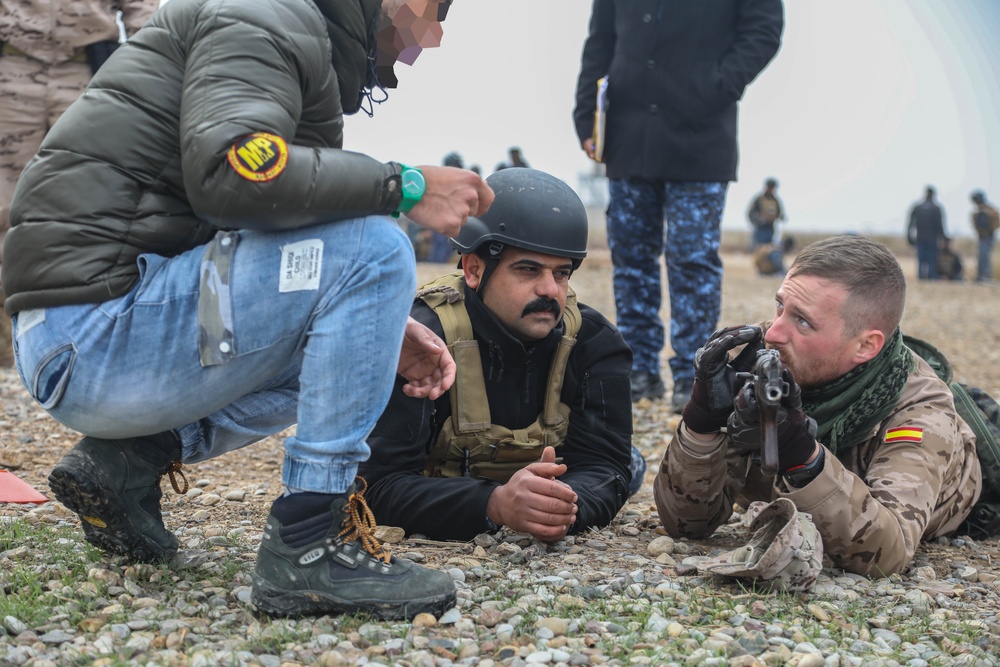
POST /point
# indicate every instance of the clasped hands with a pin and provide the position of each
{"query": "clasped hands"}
(533, 501)
(719, 398)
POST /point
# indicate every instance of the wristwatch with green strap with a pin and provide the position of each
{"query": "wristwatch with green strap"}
(412, 187)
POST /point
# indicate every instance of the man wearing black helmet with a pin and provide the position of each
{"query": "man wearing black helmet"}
(535, 433)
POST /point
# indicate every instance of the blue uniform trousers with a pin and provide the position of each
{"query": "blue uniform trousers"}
(635, 218)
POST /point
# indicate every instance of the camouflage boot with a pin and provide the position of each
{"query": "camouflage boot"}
(319, 556)
(114, 485)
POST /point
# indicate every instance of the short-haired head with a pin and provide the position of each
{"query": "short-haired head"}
(868, 272)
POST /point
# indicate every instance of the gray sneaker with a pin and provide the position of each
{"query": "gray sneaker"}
(114, 485)
(319, 556)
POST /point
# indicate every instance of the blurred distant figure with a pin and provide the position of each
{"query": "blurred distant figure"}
(770, 258)
(764, 212)
(476, 169)
(48, 52)
(676, 72)
(438, 248)
(515, 159)
(949, 264)
(986, 221)
(926, 232)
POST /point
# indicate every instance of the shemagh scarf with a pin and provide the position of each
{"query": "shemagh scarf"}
(848, 408)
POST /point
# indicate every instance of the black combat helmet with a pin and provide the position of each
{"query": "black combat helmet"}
(532, 210)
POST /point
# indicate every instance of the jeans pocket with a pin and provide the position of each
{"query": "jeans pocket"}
(52, 375)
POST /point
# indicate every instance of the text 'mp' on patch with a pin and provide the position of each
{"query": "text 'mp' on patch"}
(259, 157)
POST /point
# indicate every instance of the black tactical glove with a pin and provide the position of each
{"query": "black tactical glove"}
(796, 431)
(715, 383)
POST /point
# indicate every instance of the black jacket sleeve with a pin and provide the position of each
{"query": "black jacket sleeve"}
(598, 447)
(596, 59)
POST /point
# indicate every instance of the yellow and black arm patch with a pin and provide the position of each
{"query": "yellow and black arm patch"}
(259, 157)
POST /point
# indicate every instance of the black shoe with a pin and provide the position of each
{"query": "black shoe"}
(647, 385)
(114, 485)
(319, 556)
(681, 395)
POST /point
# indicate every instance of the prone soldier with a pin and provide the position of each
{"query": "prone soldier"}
(869, 440)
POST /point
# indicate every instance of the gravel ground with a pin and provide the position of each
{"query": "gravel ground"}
(615, 596)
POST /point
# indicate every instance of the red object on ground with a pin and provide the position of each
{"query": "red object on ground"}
(15, 490)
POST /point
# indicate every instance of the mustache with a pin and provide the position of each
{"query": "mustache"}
(542, 305)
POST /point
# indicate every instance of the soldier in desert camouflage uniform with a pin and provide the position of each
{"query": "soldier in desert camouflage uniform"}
(44, 67)
(870, 443)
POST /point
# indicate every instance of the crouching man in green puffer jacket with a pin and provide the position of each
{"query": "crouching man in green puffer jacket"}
(195, 264)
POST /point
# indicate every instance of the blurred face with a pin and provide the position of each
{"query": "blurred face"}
(408, 27)
(526, 292)
(808, 330)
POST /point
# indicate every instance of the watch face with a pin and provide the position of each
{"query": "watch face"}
(413, 183)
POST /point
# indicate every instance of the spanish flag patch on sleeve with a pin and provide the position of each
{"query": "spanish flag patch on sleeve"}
(905, 434)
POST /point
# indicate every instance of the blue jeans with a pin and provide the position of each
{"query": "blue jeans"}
(763, 235)
(322, 354)
(927, 258)
(635, 218)
(984, 264)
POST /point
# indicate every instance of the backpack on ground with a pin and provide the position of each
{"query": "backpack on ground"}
(982, 413)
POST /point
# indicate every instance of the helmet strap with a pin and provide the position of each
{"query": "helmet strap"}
(492, 261)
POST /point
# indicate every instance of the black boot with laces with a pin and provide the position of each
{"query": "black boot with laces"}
(114, 486)
(319, 556)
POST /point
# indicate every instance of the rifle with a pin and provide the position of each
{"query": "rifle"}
(769, 389)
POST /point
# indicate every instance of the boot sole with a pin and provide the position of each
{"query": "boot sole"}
(82, 487)
(275, 601)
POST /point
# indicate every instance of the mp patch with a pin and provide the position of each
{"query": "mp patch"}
(904, 434)
(259, 157)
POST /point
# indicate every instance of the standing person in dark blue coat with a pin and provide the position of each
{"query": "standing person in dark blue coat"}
(676, 72)
(925, 231)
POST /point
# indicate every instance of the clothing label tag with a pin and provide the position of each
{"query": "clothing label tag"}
(301, 264)
(29, 319)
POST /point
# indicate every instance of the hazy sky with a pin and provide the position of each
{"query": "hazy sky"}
(865, 104)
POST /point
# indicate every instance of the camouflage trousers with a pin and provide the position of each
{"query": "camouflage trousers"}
(690, 244)
(32, 97)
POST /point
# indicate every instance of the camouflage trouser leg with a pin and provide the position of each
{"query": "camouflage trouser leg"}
(32, 97)
(635, 237)
(694, 268)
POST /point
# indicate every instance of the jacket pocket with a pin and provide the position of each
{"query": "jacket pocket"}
(48, 384)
